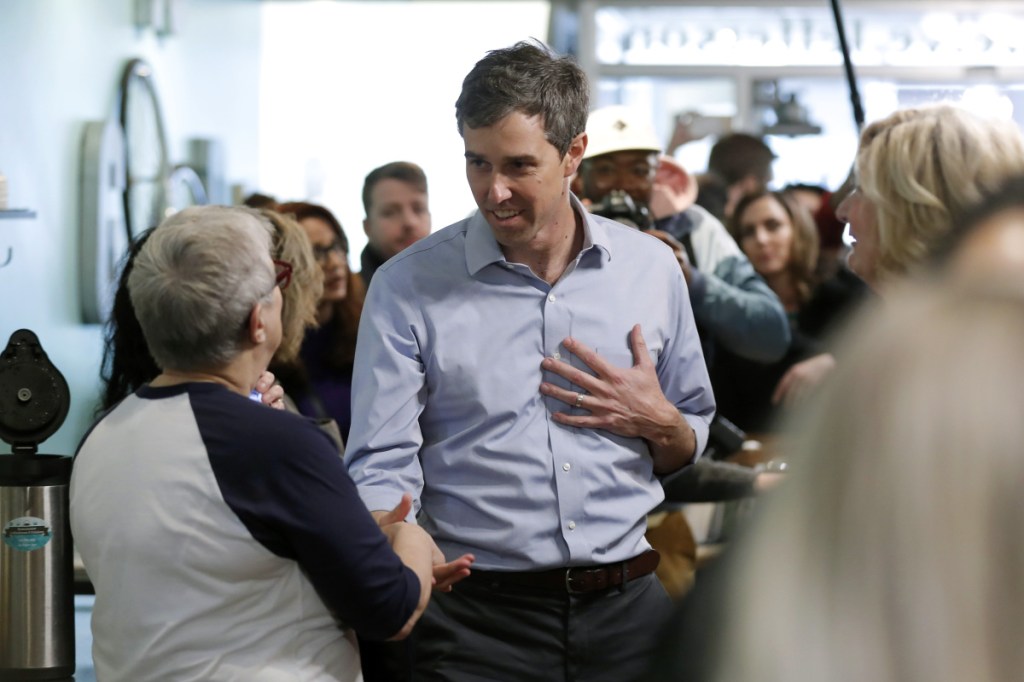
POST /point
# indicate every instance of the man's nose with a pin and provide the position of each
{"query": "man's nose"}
(411, 219)
(498, 190)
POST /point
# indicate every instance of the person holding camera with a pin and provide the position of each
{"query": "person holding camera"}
(624, 177)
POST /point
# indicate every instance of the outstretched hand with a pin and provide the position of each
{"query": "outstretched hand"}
(446, 573)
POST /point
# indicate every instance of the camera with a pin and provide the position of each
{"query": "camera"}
(619, 206)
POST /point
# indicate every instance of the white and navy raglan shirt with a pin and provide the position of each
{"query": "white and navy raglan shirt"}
(226, 541)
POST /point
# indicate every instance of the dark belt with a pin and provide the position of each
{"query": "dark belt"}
(574, 579)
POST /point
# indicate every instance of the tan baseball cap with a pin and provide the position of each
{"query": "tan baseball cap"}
(619, 128)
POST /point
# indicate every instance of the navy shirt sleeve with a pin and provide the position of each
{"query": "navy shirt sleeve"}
(286, 482)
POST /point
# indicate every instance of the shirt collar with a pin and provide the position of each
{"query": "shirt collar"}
(482, 248)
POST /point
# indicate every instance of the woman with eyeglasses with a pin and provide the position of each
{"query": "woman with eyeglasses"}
(320, 380)
(127, 364)
(226, 541)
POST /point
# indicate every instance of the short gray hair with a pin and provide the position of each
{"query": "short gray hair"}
(195, 282)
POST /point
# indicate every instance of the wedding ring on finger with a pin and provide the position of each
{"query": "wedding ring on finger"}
(579, 400)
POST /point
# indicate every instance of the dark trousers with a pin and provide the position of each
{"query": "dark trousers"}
(387, 661)
(482, 632)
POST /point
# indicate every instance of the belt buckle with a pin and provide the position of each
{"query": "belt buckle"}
(568, 583)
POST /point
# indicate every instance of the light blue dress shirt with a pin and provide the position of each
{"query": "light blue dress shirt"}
(447, 402)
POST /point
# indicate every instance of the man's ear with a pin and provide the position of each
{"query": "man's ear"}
(257, 326)
(574, 155)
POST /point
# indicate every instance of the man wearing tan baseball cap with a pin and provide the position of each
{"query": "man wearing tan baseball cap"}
(623, 165)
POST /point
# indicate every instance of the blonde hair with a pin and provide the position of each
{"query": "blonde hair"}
(921, 167)
(291, 244)
(893, 551)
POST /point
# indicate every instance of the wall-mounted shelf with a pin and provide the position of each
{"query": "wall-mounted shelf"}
(17, 213)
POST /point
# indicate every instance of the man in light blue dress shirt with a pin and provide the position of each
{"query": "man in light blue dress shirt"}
(528, 373)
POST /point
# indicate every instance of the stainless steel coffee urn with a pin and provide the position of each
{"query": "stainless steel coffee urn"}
(37, 619)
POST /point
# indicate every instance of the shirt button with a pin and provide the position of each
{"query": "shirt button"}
(556, 355)
(551, 298)
(566, 466)
(572, 525)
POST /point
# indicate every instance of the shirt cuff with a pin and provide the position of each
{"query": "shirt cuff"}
(384, 499)
(700, 431)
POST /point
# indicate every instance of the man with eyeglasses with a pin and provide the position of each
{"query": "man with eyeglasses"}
(733, 306)
(397, 213)
(623, 176)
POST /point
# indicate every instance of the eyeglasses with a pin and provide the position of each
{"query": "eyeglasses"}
(322, 253)
(282, 274)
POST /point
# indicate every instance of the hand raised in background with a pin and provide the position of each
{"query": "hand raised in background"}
(271, 394)
(677, 249)
(801, 378)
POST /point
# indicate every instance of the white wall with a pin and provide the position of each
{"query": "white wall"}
(61, 66)
(349, 86)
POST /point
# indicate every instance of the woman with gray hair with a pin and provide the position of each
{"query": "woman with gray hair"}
(127, 363)
(225, 540)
